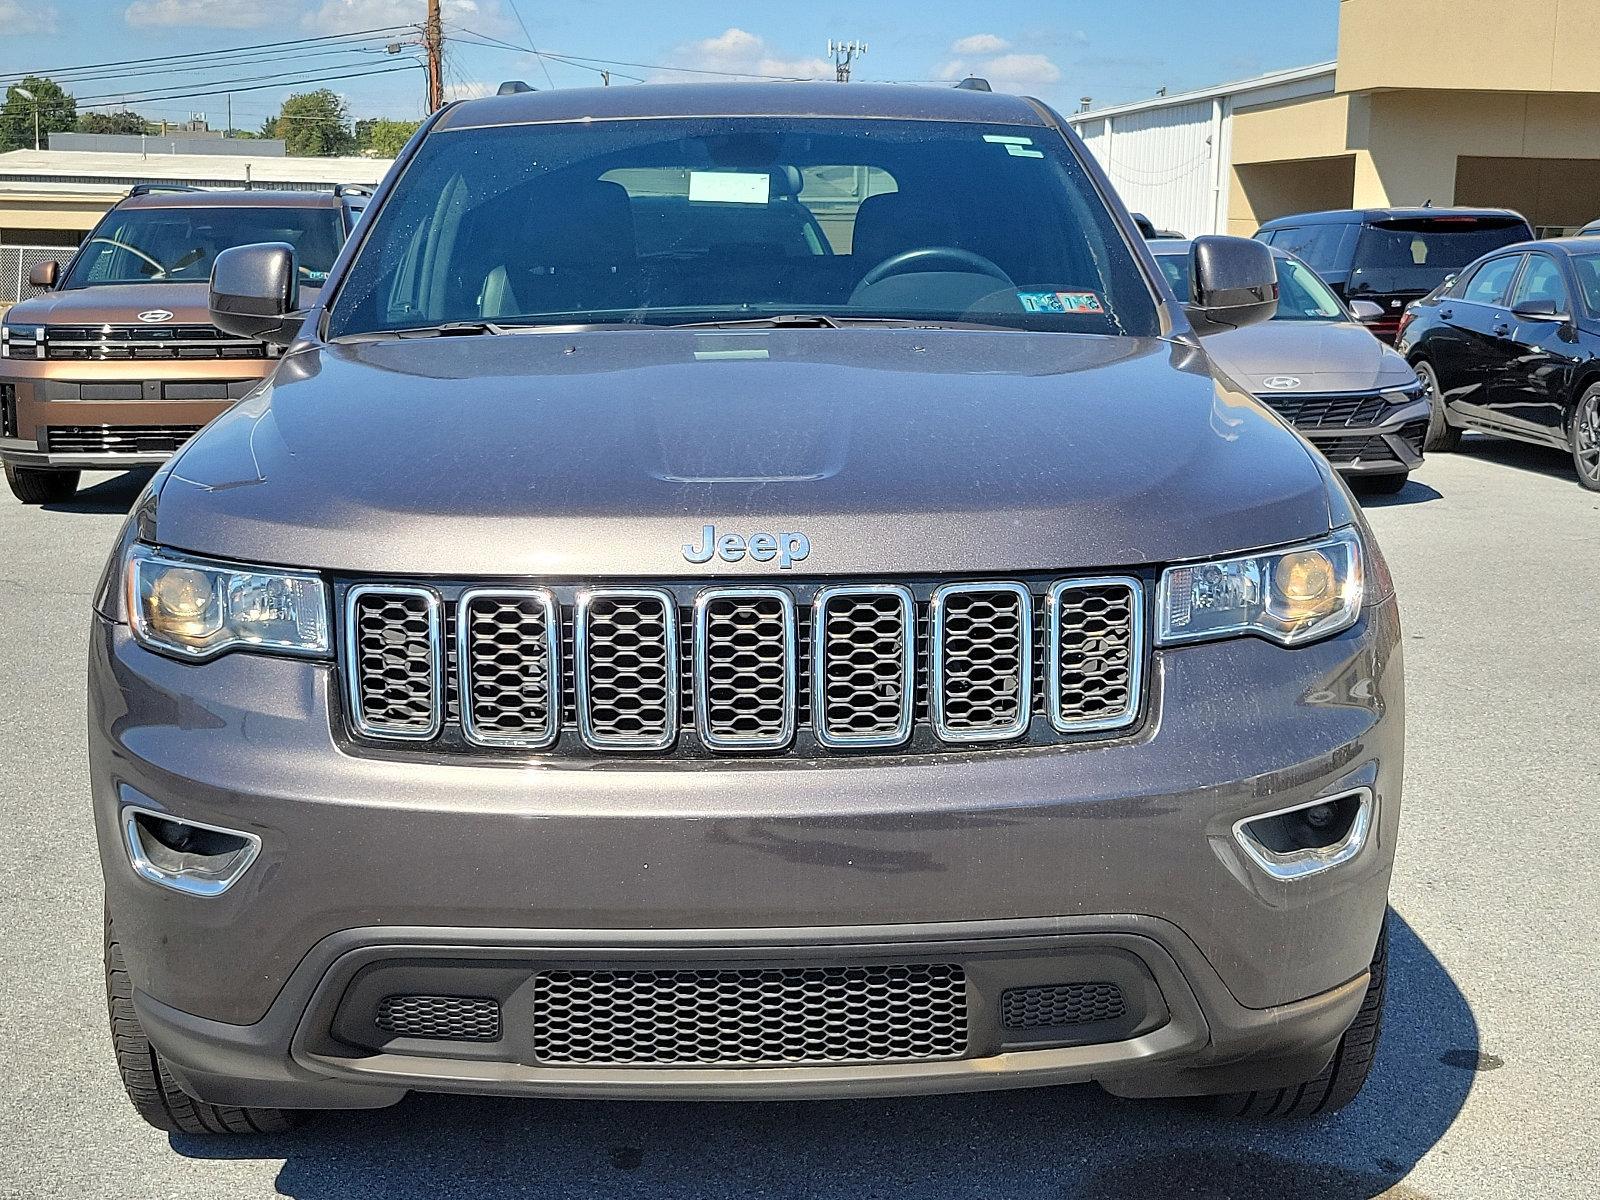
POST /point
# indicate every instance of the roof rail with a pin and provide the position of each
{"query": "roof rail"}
(512, 87)
(974, 83)
(144, 189)
(352, 189)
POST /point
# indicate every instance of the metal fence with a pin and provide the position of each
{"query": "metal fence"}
(15, 262)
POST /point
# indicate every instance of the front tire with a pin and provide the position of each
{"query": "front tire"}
(34, 486)
(1441, 436)
(1585, 439)
(1339, 1082)
(156, 1096)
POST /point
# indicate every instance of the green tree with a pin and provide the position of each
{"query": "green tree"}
(382, 137)
(116, 122)
(57, 110)
(316, 124)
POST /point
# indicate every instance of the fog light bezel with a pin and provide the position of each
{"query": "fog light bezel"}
(206, 885)
(1296, 865)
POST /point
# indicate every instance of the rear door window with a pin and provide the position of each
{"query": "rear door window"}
(1491, 281)
(1316, 245)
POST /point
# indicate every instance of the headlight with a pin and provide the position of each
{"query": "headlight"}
(198, 609)
(1291, 596)
(1407, 394)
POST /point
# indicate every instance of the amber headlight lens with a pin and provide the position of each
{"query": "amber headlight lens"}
(198, 609)
(1291, 596)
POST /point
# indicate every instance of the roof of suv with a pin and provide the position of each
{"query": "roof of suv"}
(1349, 215)
(231, 198)
(891, 101)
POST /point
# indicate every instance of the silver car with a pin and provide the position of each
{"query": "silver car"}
(1319, 368)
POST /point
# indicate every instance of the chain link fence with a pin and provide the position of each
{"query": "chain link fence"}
(15, 262)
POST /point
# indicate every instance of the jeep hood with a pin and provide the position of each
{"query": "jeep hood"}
(604, 453)
(1325, 356)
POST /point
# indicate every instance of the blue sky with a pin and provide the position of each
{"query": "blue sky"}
(1059, 50)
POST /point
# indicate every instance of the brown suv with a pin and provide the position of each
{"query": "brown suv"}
(118, 364)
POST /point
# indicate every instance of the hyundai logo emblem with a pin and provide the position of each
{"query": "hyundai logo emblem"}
(151, 315)
(1283, 383)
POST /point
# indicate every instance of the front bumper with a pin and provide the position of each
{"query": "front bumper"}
(1021, 865)
(1391, 447)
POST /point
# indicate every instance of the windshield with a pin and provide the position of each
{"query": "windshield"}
(178, 245)
(1416, 255)
(712, 219)
(1302, 296)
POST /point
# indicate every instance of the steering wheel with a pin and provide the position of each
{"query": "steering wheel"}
(907, 260)
(161, 268)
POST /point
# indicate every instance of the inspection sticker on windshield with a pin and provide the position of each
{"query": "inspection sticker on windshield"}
(1061, 302)
(1017, 147)
(729, 187)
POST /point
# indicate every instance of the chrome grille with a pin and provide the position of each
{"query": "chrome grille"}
(508, 648)
(898, 1013)
(863, 648)
(627, 668)
(745, 668)
(119, 439)
(1096, 653)
(693, 669)
(982, 661)
(166, 342)
(394, 657)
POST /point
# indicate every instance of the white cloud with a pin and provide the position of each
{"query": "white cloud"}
(980, 43)
(20, 17)
(1005, 72)
(472, 90)
(737, 51)
(346, 16)
(198, 13)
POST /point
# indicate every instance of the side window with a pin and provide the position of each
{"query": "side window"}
(1316, 245)
(1273, 236)
(1541, 281)
(1489, 282)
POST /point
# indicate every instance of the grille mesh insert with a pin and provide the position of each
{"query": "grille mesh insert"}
(393, 638)
(1096, 662)
(120, 439)
(864, 650)
(1323, 411)
(627, 651)
(451, 1018)
(746, 684)
(772, 1015)
(983, 661)
(1062, 1004)
(512, 665)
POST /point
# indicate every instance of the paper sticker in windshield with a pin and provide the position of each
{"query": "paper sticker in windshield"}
(1017, 147)
(1062, 302)
(728, 187)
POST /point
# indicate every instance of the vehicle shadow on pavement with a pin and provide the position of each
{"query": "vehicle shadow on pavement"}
(111, 494)
(1524, 456)
(1413, 493)
(1074, 1141)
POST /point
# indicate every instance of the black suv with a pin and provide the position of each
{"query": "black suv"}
(1392, 256)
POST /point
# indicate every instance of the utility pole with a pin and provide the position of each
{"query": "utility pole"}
(433, 43)
(843, 54)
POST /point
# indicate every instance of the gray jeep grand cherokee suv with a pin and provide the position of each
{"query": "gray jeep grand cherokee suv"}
(743, 592)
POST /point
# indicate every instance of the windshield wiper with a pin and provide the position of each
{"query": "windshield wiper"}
(779, 321)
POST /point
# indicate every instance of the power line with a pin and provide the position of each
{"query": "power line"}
(517, 13)
(219, 85)
(252, 88)
(119, 73)
(56, 72)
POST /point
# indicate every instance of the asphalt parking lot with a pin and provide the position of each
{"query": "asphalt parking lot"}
(1488, 1077)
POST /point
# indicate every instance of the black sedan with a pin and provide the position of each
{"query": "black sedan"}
(1511, 347)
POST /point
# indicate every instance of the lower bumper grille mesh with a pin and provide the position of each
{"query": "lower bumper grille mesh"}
(1057, 1005)
(760, 1015)
(444, 1018)
(119, 439)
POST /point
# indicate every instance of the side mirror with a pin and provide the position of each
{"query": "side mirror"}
(44, 274)
(1539, 310)
(255, 292)
(1234, 282)
(1366, 311)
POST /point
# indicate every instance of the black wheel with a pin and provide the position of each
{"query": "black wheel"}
(34, 486)
(1585, 439)
(1441, 434)
(1381, 485)
(155, 1094)
(1343, 1077)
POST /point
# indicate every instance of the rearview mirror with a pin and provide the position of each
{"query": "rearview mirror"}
(255, 292)
(1539, 310)
(1366, 310)
(1234, 282)
(44, 274)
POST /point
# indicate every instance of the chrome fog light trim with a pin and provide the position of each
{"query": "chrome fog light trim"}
(191, 878)
(1294, 865)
